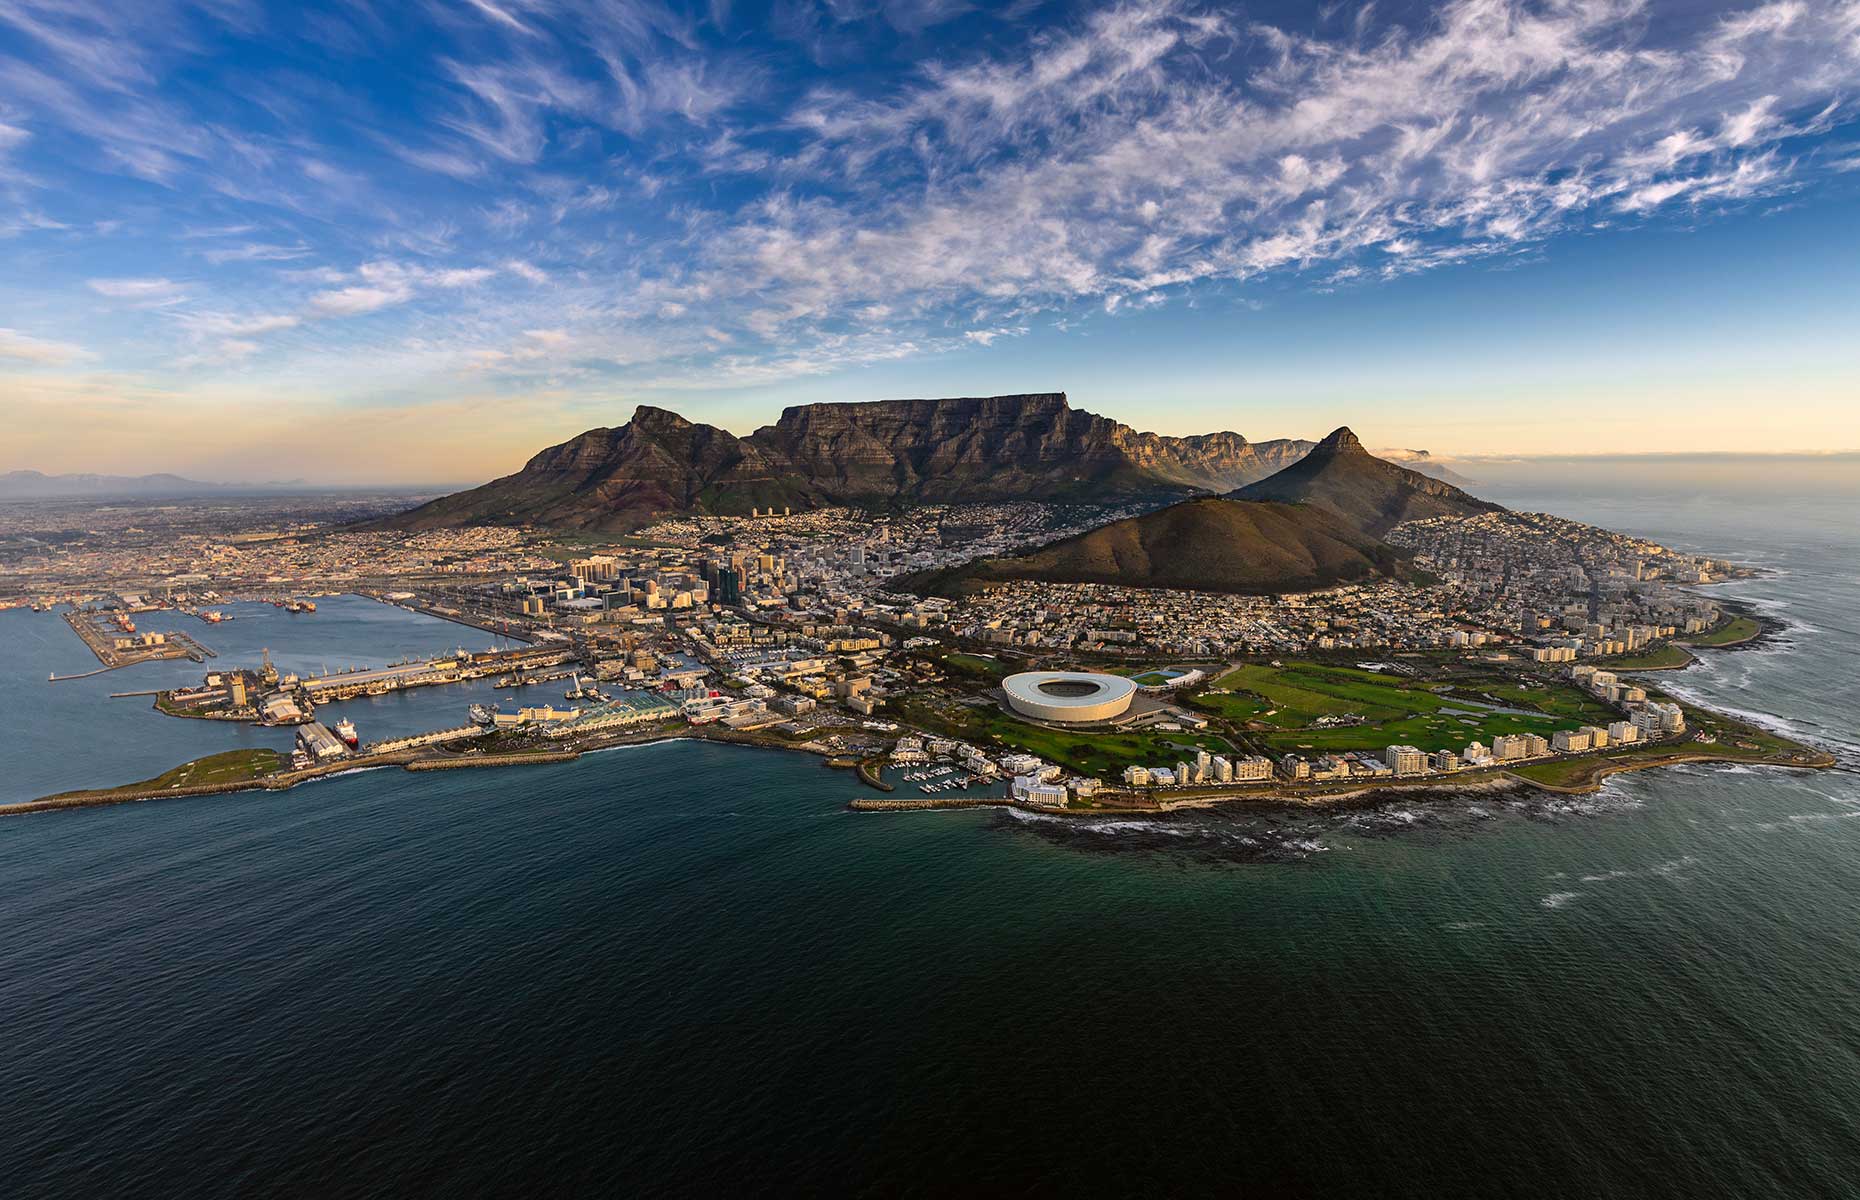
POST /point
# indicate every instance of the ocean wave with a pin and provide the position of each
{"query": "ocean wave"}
(1669, 869)
(1801, 820)
(664, 741)
(1558, 899)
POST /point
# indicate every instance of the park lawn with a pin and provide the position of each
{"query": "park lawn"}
(1151, 679)
(1573, 772)
(1302, 692)
(1425, 731)
(1737, 629)
(1234, 706)
(975, 666)
(1660, 658)
(1556, 699)
(1730, 732)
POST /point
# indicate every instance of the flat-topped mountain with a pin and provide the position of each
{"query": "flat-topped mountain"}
(888, 452)
(1372, 495)
(1208, 544)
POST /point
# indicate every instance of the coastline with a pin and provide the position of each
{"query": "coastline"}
(411, 760)
(1343, 795)
(1590, 777)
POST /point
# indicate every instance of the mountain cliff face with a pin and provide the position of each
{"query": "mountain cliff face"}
(1033, 447)
(1207, 544)
(1373, 496)
(1001, 447)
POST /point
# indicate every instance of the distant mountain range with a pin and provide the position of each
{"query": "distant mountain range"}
(36, 485)
(882, 454)
(1208, 544)
(1371, 495)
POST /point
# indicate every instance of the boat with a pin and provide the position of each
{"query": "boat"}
(483, 714)
(345, 729)
(213, 618)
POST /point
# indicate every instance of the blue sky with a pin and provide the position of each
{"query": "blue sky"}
(359, 240)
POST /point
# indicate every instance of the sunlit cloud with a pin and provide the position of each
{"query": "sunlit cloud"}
(24, 348)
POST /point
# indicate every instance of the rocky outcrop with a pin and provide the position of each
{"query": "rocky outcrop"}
(890, 452)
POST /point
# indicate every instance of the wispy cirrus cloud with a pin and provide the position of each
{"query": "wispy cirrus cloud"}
(137, 289)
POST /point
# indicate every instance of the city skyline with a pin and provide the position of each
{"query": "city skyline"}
(1483, 229)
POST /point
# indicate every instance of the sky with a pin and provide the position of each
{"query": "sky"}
(365, 241)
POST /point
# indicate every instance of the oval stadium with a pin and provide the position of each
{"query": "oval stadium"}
(1069, 697)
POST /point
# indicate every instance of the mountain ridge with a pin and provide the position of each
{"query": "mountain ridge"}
(1029, 446)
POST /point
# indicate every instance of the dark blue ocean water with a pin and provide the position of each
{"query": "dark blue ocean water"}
(684, 968)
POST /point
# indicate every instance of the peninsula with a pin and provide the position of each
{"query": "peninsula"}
(1288, 621)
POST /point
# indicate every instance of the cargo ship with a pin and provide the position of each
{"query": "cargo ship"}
(345, 729)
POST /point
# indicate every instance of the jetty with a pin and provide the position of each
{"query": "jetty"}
(874, 804)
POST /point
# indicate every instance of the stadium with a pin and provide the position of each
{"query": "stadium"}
(1069, 697)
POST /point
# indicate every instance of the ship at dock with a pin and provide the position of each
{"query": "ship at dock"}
(345, 729)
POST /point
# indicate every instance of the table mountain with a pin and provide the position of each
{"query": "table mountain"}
(1372, 495)
(885, 453)
(1209, 544)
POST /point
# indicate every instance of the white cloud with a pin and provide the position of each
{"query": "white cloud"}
(23, 347)
(460, 277)
(255, 252)
(354, 301)
(225, 325)
(136, 289)
(1120, 156)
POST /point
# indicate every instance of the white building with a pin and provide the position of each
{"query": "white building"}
(1252, 768)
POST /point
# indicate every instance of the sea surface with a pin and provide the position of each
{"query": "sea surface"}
(685, 969)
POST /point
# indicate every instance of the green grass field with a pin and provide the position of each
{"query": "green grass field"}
(1556, 699)
(1660, 658)
(1396, 708)
(1737, 629)
(1299, 693)
(975, 666)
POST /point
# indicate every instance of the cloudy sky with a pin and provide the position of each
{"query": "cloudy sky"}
(373, 240)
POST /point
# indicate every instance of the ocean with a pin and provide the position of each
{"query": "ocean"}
(684, 968)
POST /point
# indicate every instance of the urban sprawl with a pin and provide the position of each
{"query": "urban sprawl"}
(786, 624)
